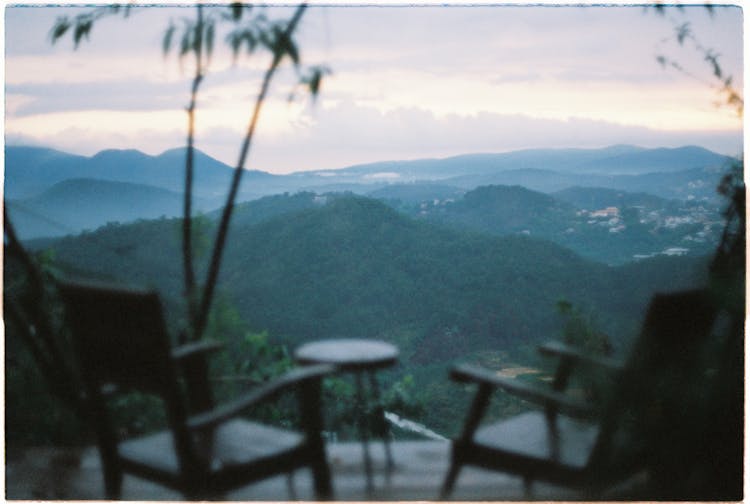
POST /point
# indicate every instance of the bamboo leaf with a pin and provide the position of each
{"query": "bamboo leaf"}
(234, 41)
(167, 40)
(82, 29)
(60, 28)
(186, 43)
(237, 9)
(290, 48)
(209, 39)
(713, 59)
(683, 32)
(315, 79)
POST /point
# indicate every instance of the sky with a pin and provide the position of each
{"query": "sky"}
(405, 83)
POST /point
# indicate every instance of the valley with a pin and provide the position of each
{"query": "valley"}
(445, 271)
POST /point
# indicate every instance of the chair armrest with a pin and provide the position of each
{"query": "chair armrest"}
(288, 380)
(188, 350)
(557, 348)
(545, 397)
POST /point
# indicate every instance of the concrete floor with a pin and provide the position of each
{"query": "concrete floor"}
(75, 474)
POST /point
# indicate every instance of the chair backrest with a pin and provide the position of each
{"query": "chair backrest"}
(120, 337)
(654, 401)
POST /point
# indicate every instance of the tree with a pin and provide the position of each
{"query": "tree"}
(253, 32)
(33, 310)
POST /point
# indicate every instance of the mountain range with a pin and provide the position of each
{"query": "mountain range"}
(43, 185)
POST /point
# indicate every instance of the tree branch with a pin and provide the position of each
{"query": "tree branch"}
(226, 215)
(187, 214)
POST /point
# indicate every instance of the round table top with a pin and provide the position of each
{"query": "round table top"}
(348, 354)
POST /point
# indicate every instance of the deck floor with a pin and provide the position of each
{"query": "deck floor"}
(75, 474)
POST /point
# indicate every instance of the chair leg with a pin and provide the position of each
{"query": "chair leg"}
(528, 482)
(112, 482)
(322, 480)
(290, 486)
(450, 480)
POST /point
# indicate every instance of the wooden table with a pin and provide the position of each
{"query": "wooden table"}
(357, 356)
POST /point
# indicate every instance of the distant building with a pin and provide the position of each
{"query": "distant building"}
(606, 212)
(675, 251)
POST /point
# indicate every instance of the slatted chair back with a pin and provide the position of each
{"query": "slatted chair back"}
(121, 340)
(120, 337)
(657, 396)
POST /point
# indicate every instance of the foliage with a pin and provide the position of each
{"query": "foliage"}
(722, 82)
(353, 266)
(580, 330)
(196, 37)
(35, 333)
(568, 221)
(251, 29)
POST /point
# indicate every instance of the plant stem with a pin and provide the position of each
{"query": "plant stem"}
(226, 215)
(187, 215)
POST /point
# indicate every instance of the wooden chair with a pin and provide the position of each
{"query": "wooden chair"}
(122, 345)
(650, 417)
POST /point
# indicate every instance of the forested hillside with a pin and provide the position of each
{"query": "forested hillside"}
(353, 267)
(608, 226)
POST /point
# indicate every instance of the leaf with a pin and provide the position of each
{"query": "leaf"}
(234, 41)
(82, 29)
(60, 28)
(251, 41)
(236, 8)
(166, 42)
(315, 85)
(316, 79)
(683, 32)
(209, 39)
(291, 49)
(197, 40)
(713, 59)
(187, 41)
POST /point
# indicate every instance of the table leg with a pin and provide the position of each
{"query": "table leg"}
(383, 428)
(364, 428)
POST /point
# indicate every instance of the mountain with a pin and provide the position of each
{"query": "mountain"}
(416, 192)
(654, 160)
(670, 173)
(608, 226)
(507, 210)
(614, 160)
(354, 267)
(268, 207)
(74, 205)
(691, 184)
(31, 170)
(594, 198)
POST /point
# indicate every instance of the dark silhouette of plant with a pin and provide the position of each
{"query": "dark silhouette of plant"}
(253, 32)
(686, 37)
(33, 310)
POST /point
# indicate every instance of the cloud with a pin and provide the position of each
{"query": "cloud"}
(46, 98)
(348, 134)
(335, 136)
(408, 82)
